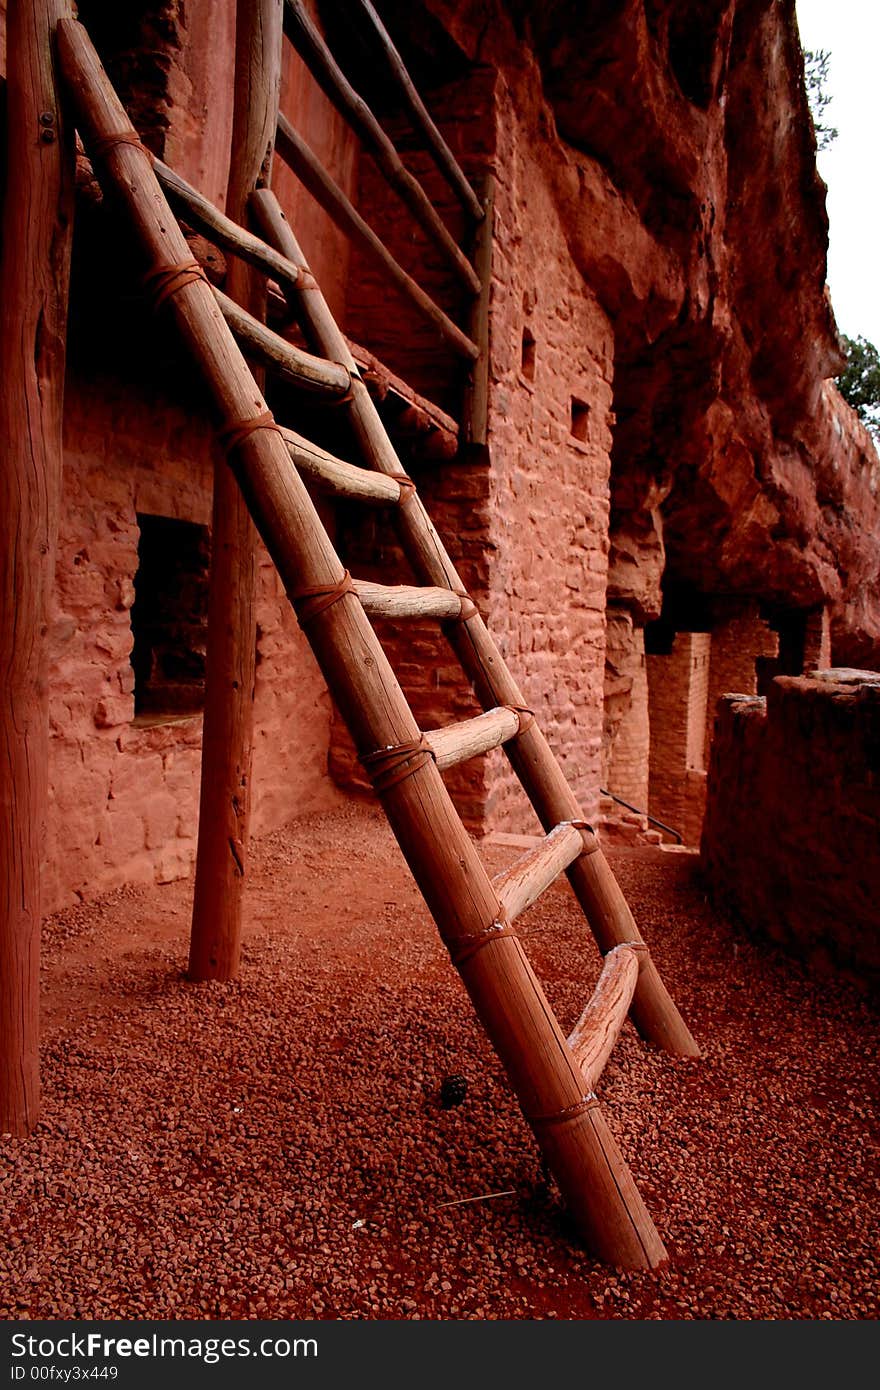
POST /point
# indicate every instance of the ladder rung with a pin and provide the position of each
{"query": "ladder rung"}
(458, 742)
(220, 229)
(286, 360)
(597, 1029)
(520, 885)
(407, 601)
(340, 479)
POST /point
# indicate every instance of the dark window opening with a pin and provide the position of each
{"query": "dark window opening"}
(529, 353)
(791, 626)
(580, 419)
(169, 618)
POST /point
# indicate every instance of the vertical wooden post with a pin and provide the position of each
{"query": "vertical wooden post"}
(34, 277)
(227, 739)
(475, 417)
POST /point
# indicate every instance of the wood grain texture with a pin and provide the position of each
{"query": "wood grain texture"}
(277, 355)
(598, 1028)
(404, 601)
(34, 279)
(336, 478)
(222, 230)
(456, 743)
(526, 879)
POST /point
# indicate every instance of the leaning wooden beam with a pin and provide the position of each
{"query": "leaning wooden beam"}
(311, 47)
(331, 475)
(312, 174)
(230, 664)
(596, 1031)
(595, 887)
(446, 160)
(475, 415)
(282, 358)
(568, 1124)
(222, 231)
(526, 879)
(34, 277)
(456, 743)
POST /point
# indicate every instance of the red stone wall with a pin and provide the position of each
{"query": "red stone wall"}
(626, 745)
(737, 644)
(124, 793)
(791, 840)
(678, 687)
(549, 499)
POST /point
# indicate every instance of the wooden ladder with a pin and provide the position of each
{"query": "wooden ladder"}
(554, 1078)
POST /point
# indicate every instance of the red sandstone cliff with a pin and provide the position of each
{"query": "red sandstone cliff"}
(677, 140)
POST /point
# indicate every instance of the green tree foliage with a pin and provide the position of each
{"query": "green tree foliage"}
(816, 64)
(859, 382)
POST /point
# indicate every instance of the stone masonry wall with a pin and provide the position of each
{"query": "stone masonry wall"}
(737, 643)
(627, 729)
(124, 792)
(550, 442)
(678, 689)
(791, 840)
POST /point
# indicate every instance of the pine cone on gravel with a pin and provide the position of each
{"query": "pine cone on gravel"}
(452, 1091)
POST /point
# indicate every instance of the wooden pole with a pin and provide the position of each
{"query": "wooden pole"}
(311, 47)
(34, 279)
(282, 358)
(595, 886)
(326, 191)
(508, 998)
(227, 737)
(443, 155)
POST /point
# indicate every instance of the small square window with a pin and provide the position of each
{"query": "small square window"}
(529, 353)
(580, 419)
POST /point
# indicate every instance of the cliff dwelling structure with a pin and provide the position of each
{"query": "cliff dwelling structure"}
(555, 363)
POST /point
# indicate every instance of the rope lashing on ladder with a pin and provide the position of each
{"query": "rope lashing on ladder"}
(316, 598)
(101, 146)
(238, 431)
(386, 767)
(525, 716)
(589, 848)
(570, 1112)
(407, 487)
(166, 280)
(462, 948)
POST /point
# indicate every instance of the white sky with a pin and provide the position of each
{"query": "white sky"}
(850, 31)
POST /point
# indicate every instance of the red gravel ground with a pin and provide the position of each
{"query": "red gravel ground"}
(275, 1147)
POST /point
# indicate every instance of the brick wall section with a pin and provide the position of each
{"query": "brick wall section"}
(791, 840)
(627, 732)
(124, 798)
(678, 688)
(549, 499)
(817, 641)
(737, 643)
